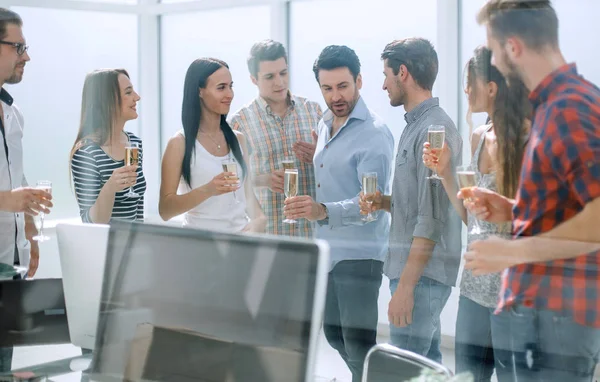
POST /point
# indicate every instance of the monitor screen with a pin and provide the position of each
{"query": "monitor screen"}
(257, 301)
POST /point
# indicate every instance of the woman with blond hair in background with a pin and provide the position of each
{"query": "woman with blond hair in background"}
(105, 185)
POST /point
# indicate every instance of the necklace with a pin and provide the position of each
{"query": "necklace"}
(212, 139)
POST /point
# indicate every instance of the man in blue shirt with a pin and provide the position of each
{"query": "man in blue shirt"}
(352, 141)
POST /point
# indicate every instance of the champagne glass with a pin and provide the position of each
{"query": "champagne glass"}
(369, 188)
(230, 165)
(132, 157)
(467, 180)
(288, 163)
(290, 188)
(436, 136)
(44, 185)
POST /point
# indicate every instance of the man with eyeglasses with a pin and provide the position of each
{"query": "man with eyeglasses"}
(18, 202)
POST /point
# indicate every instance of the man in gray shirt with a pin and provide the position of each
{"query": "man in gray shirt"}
(425, 235)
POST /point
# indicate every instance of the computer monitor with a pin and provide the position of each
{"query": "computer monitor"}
(82, 251)
(254, 291)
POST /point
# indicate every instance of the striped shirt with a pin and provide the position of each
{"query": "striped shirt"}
(91, 168)
(270, 140)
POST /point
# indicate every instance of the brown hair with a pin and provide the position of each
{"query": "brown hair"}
(512, 111)
(100, 101)
(419, 57)
(534, 21)
(8, 17)
(266, 50)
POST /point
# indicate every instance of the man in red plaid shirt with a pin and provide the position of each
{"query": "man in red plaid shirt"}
(550, 298)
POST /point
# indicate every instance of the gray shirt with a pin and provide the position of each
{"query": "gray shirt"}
(420, 206)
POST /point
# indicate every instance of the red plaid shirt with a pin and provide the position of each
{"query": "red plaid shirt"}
(560, 174)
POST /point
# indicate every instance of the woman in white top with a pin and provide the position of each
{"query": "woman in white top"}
(193, 182)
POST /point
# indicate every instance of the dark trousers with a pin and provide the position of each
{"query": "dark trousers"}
(351, 310)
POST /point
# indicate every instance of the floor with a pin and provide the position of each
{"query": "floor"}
(329, 364)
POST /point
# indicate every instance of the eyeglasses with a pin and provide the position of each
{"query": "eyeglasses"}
(21, 48)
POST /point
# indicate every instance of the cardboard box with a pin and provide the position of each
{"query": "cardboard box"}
(170, 354)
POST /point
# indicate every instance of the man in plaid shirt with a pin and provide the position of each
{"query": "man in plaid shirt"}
(278, 126)
(549, 303)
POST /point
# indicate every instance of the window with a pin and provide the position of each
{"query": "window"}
(227, 34)
(364, 31)
(64, 46)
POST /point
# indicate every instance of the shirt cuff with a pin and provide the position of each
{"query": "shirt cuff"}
(334, 214)
(428, 228)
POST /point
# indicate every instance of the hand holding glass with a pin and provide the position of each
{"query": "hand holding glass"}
(230, 165)
(369, 188)
(132, 155)
(436, 136)
(290, 188)
(44, 185)
(467, 180)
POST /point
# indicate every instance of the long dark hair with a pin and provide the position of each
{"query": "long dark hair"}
(191, 113)
(100, 105)
(512, 112)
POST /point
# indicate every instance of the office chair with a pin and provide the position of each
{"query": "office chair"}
(387, 363)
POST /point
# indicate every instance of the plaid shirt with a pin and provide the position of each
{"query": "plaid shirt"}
(560, 174)
(270, 139)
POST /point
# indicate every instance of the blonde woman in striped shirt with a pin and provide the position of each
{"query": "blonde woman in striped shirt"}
(101, 179)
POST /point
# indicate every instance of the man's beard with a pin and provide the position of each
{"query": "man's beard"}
(15, 78)
(350, 104)
(511, 70)
(400, 99)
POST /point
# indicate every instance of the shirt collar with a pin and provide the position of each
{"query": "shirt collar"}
(262, 103)
(421, 109)
(550, 84)
(5, 97)
(360, 112)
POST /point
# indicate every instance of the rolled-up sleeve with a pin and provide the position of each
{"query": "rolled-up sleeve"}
(433, 202)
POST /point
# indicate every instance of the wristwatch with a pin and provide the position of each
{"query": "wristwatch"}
(326, 219)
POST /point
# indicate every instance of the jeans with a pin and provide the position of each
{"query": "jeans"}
(423, 336)
(350, 322)
(549, 346)
(478, 335)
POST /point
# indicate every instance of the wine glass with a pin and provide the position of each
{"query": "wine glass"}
(436, 136)
(230, 165)
(132, 156)
(467, 180)
(290, 188)
(44, 185)
(369, 188)
(288, 163)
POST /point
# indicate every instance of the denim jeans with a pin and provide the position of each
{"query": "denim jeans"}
(478, 337)
(350, 322)
(549, 346)
(423, 336)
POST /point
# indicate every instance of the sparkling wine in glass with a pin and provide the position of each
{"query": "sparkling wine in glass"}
(44, 185)
(230, 165)
(290, 187)
(132, 158)
(369, 188)
(467, 180)
(288, 163)
(436, 136)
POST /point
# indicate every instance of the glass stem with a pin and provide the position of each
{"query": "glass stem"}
(42, 215)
